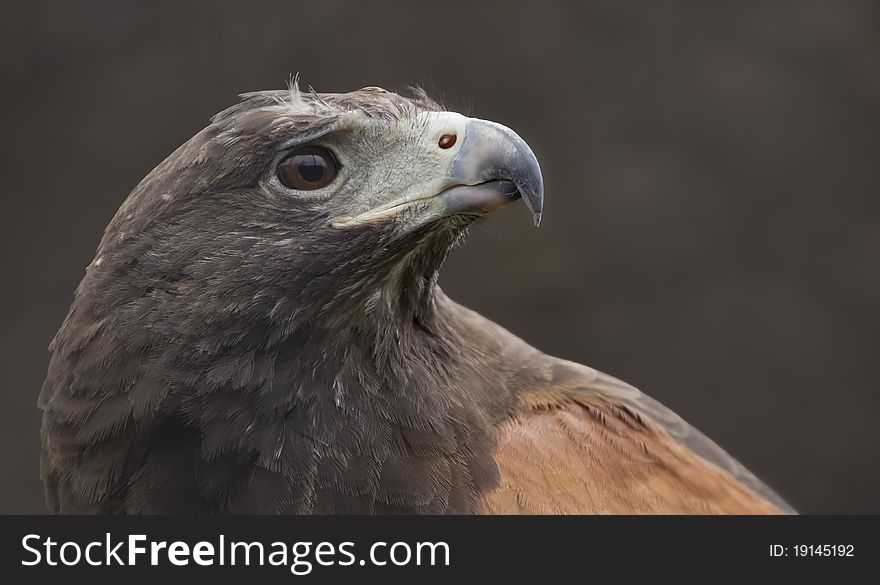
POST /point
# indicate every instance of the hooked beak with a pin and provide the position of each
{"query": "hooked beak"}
(493, 167)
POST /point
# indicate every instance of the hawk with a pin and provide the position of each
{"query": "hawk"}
(261, 331)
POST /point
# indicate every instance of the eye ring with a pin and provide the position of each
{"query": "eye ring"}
(307, 168)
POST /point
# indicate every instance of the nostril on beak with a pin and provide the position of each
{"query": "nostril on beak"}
(447, 141)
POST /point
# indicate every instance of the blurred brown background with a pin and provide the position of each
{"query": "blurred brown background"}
(712, 223)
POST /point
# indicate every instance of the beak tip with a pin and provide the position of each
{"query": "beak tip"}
(534, 200)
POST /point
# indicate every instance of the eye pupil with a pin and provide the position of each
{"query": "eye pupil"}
(311, 168)
(307, 168)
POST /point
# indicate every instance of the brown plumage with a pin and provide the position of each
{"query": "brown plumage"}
(576, 452)
(261, 331)
(577, 441)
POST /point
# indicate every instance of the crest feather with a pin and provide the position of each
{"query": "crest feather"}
(295, 97)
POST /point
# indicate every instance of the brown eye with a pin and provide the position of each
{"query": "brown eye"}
(307, 168)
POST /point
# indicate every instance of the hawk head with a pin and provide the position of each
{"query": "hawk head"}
(301, 206)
